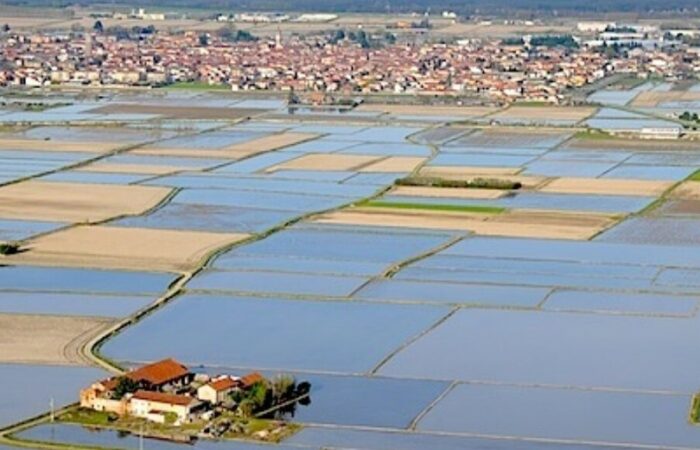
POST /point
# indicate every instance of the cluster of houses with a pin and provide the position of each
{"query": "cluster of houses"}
(165, 392)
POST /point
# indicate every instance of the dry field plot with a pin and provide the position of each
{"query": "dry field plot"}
(427, 110)
(603, 186)
(688, 190)
(46, 339)
(236, 151)
(58, 146)
(515, 223)
(179, 112)
(76, 202)
(326, 162)
(394, 164)
(651, 99)
(436, 192)
(125, 248)
(545, 113)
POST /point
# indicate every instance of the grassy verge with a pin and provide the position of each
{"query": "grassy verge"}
(594, 135)
(476, 183)
(198, 86)
(435, 207)
(241, 427)
(694, 415)
(695, 176)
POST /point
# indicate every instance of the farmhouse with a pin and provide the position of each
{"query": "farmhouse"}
(218, 389)
(160, 407)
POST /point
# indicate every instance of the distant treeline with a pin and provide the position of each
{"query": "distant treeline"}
(465, 7)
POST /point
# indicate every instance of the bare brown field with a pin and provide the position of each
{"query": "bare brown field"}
(59, 146)
(436, 192)
(394, 164)
(39, 339)
(76, 202)
(179, 112)
(329, 162)
(688, 190)
(124, 248)
(236, 151)
(516, 223)
(545, 112)
(606, 186)
(138, 169)
(680, 207)
(428, 110)
(651, 99)
(31, 22)
(633, 144)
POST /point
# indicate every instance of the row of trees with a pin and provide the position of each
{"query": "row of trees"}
(280, 395)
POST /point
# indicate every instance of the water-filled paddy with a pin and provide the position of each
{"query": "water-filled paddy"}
(639, 172)
(366, 401)
(621, 303)
(587, 169)
(234, 261)
(258, 199)
(57, 279)
(277, 282)
(95, 177)
(591, 350)
(560, 250)
(657, 230)
(15, 230)
(404, 291)
(479, 160)
(291, 335)
(29, 388)
(264, 184)
(393, 440)
(365, 244)
(71, 304)
(220, 218)
(566, 414)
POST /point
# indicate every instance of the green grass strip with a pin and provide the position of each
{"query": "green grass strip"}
(435, 207)
(695, 176)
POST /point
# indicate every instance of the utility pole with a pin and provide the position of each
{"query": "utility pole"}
(140, 436)
(51, 407)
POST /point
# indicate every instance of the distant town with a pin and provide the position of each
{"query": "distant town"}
(337, 61)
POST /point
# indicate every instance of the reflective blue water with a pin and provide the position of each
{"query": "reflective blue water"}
(479, 160)
(55, 279)
(670, 173)
(290, 335)
(607, 417)
(29, 388)
(277, 282)
(620, 302)
(585, 350)
(71, 304)
(404, 291)
(15, 230)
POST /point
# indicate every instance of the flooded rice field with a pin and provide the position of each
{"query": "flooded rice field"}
(440, 318)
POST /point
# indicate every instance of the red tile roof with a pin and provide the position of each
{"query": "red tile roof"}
(251, 379)
(160, 372)
(224, 384)
(159, 397)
